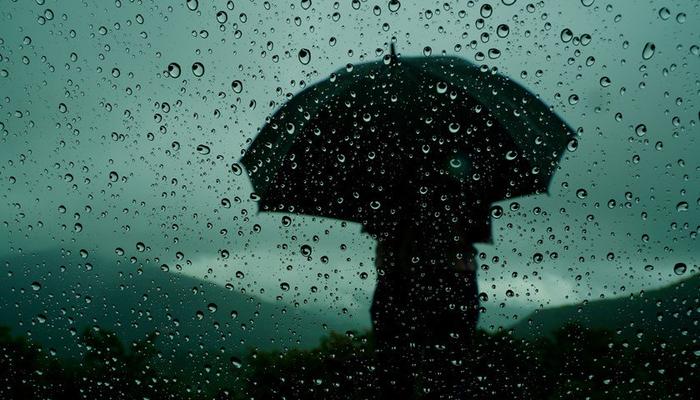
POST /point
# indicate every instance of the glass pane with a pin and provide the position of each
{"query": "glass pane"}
(354, 199)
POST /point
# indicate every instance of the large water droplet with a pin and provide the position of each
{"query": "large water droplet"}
(237, 86)
(680, 268)
(304, 56)
(174, 70)
(198, 69)
(648, 51)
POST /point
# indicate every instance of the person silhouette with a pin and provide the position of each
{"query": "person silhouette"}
(425, 307)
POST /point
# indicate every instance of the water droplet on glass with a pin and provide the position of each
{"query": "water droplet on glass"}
(237, 86)
(587, 3)
(640, 130)
(203, 149)
(581, 193)
(566, 35)
(236, 169)
(496, 212)
(682, 206)
(36, 286)
(221, 17)
(664, 13)
(680, 268)
(192, 4)
(212, 307)
(304, 56)
(502, 30)
(648, 51)
(174, 70)
(198, 69)
(394, 5)
(441, 87)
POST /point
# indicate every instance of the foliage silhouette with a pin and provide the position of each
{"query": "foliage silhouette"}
(577, 362)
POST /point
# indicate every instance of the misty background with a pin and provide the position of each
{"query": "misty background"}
(111, 157)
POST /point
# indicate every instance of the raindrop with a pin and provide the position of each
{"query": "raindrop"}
(62, 108)
(427, 51)
(284, 286)
(212, 307)
(235, 361)
(305, 250)
(581, 193)
(605, 81)
(682, 206)
(304, 56)
(394, 5)
(236, 168)
(566, 35)
(198, 69)
(486, 10)
(192, 4)
(221, 17)
(502, 30)
(573, 99)
(680, 268)
(640, 130)
(36, 286)
(496, 212)
(203, 149)
(174, 70)
(286, 220)
(508, 2)
(664, 13)
(237, 86)
(116, 72)
(441, 87)
(648, 51)
(587, 3)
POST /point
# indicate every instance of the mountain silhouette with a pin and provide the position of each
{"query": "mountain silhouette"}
(51, 297)
(670, 312)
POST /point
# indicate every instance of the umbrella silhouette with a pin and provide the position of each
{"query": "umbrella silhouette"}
(355, 145)
(415, 149)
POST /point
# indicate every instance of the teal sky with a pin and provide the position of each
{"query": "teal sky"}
(92, 122)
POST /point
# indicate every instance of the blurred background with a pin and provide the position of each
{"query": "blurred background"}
(124, 208)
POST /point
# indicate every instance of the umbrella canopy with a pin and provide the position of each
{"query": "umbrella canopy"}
(374, 137)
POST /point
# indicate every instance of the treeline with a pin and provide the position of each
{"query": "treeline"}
(576, 363)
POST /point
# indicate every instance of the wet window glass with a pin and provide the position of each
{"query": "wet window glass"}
(387, 199)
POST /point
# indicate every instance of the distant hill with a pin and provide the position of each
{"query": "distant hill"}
(672, 313)
(52, 297)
